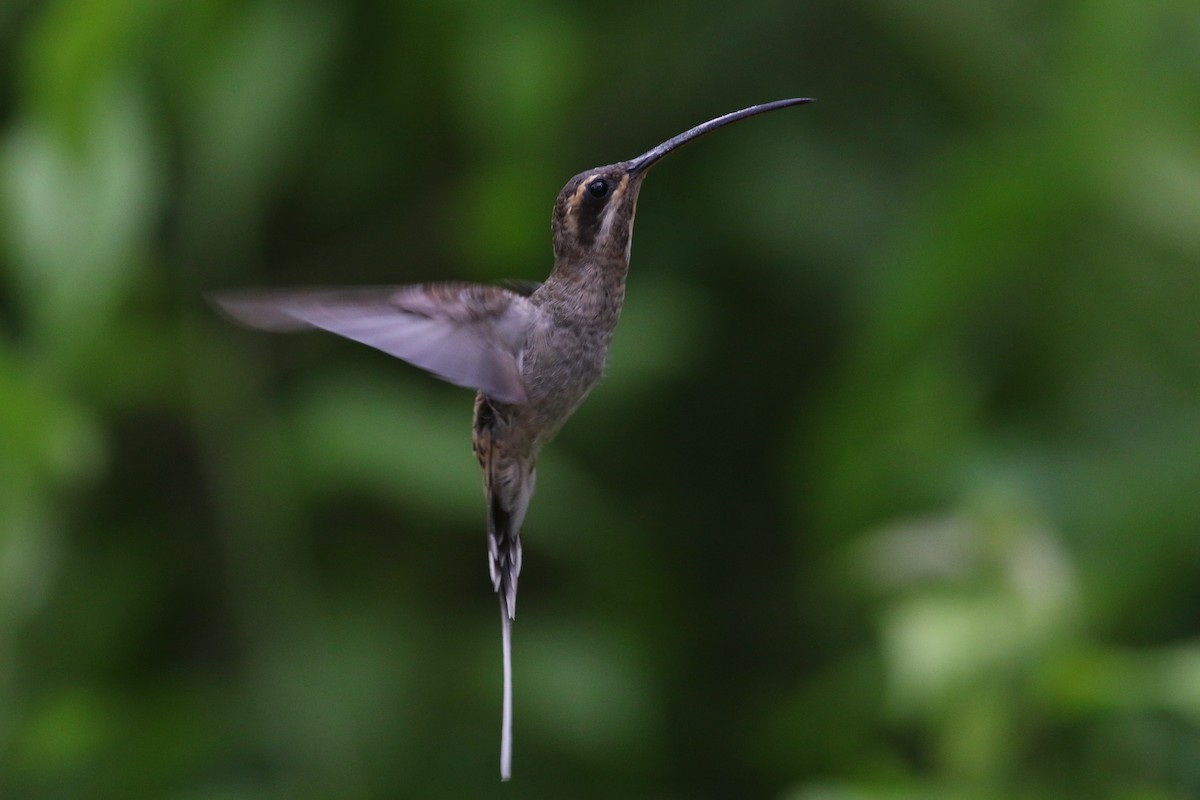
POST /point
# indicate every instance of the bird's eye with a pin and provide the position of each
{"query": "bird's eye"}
(598, 188)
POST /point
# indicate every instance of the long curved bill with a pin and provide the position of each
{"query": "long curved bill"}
(647, 159)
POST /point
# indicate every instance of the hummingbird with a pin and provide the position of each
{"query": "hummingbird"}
(531, 352)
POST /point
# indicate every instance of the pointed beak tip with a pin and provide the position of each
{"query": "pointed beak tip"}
(649, 158)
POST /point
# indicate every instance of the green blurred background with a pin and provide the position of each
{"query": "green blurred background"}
(893, 489)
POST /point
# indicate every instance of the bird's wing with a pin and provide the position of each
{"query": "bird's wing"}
(467, 334)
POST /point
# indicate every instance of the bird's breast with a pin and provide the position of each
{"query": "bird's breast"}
(559, 365)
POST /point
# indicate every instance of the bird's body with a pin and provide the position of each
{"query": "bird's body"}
(566, 344)
(533, 358)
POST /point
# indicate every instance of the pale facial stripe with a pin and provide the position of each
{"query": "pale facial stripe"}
(611, 208)
(614, 205)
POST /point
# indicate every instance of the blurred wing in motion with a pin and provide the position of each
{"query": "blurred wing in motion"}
(467, 334)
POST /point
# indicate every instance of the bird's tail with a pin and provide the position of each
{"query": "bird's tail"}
(508, 482)
(504, 539)
(504, 563)
(506, 723)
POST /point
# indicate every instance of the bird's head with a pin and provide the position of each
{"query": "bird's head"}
(594, 213)
(593, 217)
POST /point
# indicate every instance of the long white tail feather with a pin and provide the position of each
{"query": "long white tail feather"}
(506, 724)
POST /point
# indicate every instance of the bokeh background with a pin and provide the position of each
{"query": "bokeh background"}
(893, 489)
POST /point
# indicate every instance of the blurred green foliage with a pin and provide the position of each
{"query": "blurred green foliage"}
(893, 490)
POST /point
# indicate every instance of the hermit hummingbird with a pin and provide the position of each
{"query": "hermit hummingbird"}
(532, 356)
